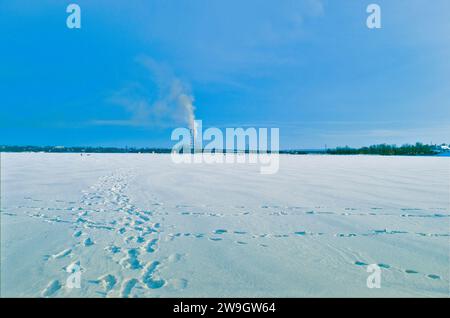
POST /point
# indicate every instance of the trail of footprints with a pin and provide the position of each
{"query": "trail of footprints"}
(106, 207)
(406, 271)
(107, 200)
(280, 211)
(218, 234)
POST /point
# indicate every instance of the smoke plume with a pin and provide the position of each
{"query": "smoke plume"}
(159, 99)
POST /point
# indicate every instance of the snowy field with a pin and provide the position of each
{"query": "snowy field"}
(140, 226)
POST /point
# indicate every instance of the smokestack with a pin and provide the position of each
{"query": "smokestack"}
(192, 143)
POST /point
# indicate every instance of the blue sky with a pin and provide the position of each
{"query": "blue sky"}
(311, 68)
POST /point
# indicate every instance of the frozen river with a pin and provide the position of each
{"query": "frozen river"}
(138, 225)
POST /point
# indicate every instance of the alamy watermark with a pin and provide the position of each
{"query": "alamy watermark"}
(374, 19)
(74, 278)
(236, 146)
(73, 21)
(374, 279)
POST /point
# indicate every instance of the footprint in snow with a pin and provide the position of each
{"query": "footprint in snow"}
(150, 277)
(127, 287)
(51, 288)
(220, 231)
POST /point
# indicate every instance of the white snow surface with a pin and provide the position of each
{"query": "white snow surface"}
(138, 225)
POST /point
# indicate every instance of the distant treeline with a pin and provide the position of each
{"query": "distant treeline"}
(383, 149)
(388, 150)
(60, 149)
